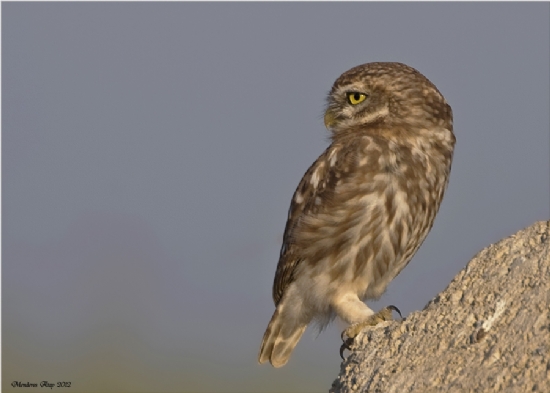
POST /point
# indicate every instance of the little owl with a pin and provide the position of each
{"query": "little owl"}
(365, 205)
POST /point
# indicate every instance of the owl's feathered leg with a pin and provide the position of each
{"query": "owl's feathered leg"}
(352, 331)
(283, 332)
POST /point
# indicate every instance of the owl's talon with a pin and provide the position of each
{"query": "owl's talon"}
(346, 345)
(352, 331)
(396, 310)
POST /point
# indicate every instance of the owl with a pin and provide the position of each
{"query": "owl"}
(365, 206)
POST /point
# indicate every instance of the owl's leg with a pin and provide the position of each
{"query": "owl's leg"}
(350, 308)
(352, 331)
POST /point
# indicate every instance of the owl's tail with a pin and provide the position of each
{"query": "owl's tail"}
(282, 334)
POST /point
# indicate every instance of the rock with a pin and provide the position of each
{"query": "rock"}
(488, 331)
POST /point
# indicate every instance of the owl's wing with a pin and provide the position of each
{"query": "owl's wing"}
(315, 195)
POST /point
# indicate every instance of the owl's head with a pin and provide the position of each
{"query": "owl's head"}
(391, 94)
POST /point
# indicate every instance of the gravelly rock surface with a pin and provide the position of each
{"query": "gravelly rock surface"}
(488, 331)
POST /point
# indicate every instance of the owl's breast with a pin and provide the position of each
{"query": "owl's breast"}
(396, 220)
(377, 206)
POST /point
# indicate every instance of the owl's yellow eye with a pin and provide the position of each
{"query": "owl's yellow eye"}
(355, 98)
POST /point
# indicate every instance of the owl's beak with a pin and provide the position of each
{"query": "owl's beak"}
(330, 119)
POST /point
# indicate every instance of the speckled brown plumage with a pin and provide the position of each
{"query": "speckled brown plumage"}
(365, 205)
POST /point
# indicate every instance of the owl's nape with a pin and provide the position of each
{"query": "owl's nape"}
(364, 207)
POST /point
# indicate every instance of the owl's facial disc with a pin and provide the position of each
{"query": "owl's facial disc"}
(355, 105)
(343, 105)
(330, 119)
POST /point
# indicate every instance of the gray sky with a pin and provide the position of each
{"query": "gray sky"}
(150, 151)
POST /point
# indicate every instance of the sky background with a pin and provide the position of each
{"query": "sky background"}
(150, 152)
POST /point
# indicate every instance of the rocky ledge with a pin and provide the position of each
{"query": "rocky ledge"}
(488, 331)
